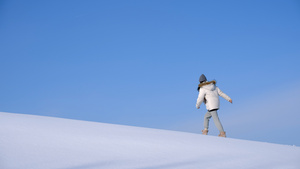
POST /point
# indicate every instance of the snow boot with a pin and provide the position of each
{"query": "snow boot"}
(222, 134)
(204, 132)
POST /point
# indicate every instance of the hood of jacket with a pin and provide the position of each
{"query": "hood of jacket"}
(208, 85)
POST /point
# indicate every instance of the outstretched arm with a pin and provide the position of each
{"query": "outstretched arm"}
(200, 98)
(224, 95)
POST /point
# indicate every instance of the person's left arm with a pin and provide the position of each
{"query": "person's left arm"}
(200, 98)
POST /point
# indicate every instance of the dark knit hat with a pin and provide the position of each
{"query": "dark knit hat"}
(202, 78)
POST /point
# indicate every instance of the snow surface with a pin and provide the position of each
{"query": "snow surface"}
(37, 142)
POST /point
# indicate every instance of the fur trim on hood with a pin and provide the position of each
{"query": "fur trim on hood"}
(206, 83)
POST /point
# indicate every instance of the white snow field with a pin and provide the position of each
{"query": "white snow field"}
(38, 142)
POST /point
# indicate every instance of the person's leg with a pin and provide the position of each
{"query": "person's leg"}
(218, 124)
(207, 116)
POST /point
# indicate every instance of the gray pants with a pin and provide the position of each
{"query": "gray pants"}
(215, 116)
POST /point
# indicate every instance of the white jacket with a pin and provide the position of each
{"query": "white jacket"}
(209, 93)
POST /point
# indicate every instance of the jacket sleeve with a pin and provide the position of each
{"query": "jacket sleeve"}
(200, 98)
(223, 95)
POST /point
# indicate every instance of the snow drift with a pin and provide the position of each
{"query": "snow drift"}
(37, 142)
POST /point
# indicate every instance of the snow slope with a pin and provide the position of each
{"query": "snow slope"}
(37, 142)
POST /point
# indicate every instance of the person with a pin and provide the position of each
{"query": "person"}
(209, 94)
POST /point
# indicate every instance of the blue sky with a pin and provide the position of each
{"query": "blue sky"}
(138, 63)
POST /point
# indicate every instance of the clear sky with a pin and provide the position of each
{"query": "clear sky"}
(138, 63)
